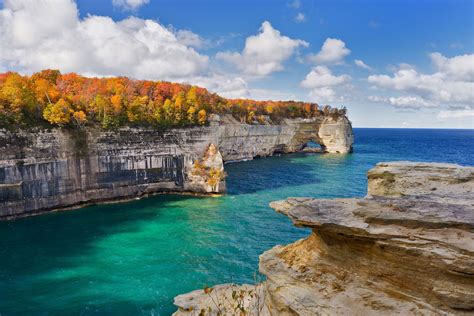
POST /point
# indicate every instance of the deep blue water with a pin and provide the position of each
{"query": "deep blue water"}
(133, 258)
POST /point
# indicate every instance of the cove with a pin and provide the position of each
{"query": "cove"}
(133, 258)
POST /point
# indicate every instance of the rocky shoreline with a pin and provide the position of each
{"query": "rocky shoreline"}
(405, 249)
(45, 170)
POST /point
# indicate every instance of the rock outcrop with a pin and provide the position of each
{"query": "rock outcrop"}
(52, 169)
(244, 142)
(42, 170)
(407, 248)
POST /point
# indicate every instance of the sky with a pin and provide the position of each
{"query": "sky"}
(391, 63)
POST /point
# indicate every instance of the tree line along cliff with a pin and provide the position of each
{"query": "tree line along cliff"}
(49, 98)
(69, 141)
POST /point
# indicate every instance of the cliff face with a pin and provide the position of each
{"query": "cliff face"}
(243, 142)
(50, 169)
(405, 249)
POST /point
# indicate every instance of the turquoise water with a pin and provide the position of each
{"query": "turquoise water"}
(133, 258)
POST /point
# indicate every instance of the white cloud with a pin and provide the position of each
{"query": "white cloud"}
(459, 67)
(333, 51)
(225, 85)
(324, 95)
(468, 112)
(321, 76)
(300, 17)
(451, 85)
(361, 64)
(236, 87)
(49, 34)
(322, 83)
(263, 53)
(129, 4)
(411, 102)
(189, 38)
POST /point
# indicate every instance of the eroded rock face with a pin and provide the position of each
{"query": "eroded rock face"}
(405, 249)
(51, 169)
(43, 170)
(336, 135)
(225, 299)
(244, 142)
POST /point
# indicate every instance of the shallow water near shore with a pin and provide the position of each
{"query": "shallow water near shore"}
(133, 258)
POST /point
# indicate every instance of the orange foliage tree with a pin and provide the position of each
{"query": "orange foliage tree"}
(49, 97)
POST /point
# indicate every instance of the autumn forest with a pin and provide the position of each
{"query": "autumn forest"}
(49, 98)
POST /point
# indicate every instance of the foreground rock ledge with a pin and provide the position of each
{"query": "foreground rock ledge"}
(407, 248)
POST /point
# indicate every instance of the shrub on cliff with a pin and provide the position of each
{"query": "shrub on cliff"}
(51, 98)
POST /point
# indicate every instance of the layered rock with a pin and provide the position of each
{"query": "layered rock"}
(43, 170)
(405, 249)
(225, 299)
(244, 142)
(50, 169)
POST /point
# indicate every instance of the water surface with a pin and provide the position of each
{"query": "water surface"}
(133, 258)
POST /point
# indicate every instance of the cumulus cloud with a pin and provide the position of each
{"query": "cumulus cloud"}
(189, 38)
(236, 87)
(333, 51)
(263, 53)
(451, 85)
(49, 34)
(324, 95)
(322, 82)
(300, 17)
(361, 64)
(321, 76)
(129, 4)
(224, 85)
(458, 68)
(411, 102)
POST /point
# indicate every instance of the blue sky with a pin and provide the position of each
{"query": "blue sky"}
(392, 63)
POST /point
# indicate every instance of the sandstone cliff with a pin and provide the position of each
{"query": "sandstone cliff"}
(405, 249)
(42, 170)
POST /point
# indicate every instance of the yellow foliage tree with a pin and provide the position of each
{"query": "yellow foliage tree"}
(58, 113)
(116, 101)
(178, 109)
(250, 117)
(168, 110)
(191, 96)
(215, 176)
(202, 117)
(136, 109)
(191, 115)
(18, 96)
(80, 118)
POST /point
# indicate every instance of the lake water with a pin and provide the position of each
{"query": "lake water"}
(133, 258)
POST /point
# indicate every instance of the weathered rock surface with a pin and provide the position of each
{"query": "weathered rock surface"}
(405, 249)
(244, 142)
(41, 170)
(225, 299)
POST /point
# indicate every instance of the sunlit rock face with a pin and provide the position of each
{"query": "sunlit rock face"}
(244, 142)
(43, 169)
(405, 249)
